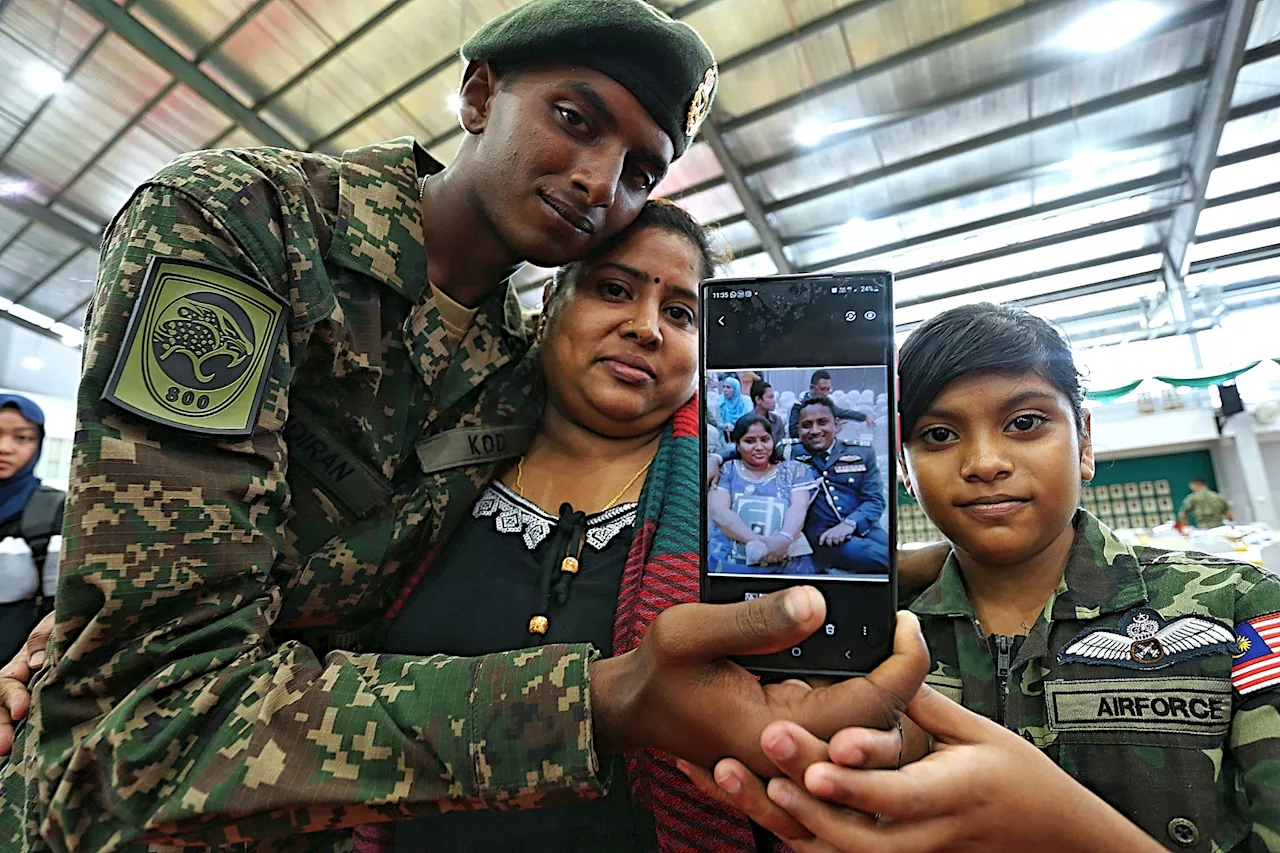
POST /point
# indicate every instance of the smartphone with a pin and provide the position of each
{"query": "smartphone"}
(804, 493)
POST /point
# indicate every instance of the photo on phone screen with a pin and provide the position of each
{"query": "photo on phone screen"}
(800, 456)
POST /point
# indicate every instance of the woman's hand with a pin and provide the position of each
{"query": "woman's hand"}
(982, 788)
(15, 678)
(778, 544)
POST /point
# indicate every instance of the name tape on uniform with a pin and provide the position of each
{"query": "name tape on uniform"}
(349, 481)
(471, 446)
(1184, 705)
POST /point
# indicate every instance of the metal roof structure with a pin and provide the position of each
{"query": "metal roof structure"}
(1113, 165)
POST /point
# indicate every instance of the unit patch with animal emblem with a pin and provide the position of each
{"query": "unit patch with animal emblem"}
(197, 350)
(1145, 640)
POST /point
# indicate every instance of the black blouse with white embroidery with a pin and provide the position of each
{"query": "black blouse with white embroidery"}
(500, 567)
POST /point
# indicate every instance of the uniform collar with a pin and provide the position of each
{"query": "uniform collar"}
(1102, 576)
(835, 448)
(379, 227)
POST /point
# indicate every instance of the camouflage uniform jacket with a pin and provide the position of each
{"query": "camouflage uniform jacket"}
(1125, 681)
(207, 683)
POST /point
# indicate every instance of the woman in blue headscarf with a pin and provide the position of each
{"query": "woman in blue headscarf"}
(30, 521)
(733, 403)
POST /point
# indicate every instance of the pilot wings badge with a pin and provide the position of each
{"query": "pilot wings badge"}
(1144, 640)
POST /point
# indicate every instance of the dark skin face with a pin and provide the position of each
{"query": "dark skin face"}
(621, 352)
(996, 462)
(756, 447)
(818, 428)
(558, 158)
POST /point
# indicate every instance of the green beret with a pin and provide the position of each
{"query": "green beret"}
(664, 63)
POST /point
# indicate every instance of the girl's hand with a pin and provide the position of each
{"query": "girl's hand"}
(982, 788)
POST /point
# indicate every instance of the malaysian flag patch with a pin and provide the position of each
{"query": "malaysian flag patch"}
(1255, 661)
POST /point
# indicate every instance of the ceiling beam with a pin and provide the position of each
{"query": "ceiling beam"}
(1215, 110)
(50, 219)
(1017, 77)
(188, 73)
(750, 204)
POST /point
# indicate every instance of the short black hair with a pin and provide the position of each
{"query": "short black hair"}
(983, 338)
(818, 376)
(1200, 480)
(818, 401)
(749, 420)
(758, 388)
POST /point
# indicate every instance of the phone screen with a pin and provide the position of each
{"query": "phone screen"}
(799, 456)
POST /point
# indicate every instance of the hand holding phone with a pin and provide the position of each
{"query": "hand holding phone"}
(798, 372)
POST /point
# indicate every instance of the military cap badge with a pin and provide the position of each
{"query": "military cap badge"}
(1148, 641)
(701, 106)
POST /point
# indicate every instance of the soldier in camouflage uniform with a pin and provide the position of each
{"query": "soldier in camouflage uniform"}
(285, 400)
(1152, 678)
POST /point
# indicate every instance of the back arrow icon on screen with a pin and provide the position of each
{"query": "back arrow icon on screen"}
(720, 320)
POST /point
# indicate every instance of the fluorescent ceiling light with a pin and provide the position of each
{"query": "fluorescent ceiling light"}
(42, 78)
(33, 363)
(1110, 25)
(813, 133)
(1088, 161)
(10, 187)
(454, 102)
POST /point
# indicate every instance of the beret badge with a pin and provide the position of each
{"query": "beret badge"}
(701, 106)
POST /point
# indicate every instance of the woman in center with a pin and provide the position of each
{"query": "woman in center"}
(589, 535)
(758, 505)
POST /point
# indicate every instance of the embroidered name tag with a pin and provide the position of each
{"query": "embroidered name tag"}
(851, 469)
(350, 482)
(1179, 705)
(471, 446)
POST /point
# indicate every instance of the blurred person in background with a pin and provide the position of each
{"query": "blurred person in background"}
(30, 525)
(733, 404)
(765, 401)
(1208, 508)
(820, 386)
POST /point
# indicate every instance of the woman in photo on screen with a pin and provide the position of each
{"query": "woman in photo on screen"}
(757, 507)
(733, 404)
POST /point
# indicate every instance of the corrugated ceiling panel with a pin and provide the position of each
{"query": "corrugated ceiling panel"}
(29, 258)
(110, 87)
(1243, 133)
(56, 30)
(189, 26)
(1023, 290)
(65, 291)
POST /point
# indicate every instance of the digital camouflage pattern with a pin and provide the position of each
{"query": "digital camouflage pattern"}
(1157, 731)
(209, 678)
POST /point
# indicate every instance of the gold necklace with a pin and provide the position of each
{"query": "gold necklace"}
(610, 505)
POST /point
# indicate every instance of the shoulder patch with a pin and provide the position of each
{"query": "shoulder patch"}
(197, 350)
(1144, 640)
(1255, 660)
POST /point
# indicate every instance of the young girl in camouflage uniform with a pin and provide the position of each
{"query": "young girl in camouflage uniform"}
(1152, 678)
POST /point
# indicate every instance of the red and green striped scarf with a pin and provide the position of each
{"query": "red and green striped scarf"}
(662, 570)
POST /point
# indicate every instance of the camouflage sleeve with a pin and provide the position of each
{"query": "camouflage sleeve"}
(1254, 740)
(170, 712)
